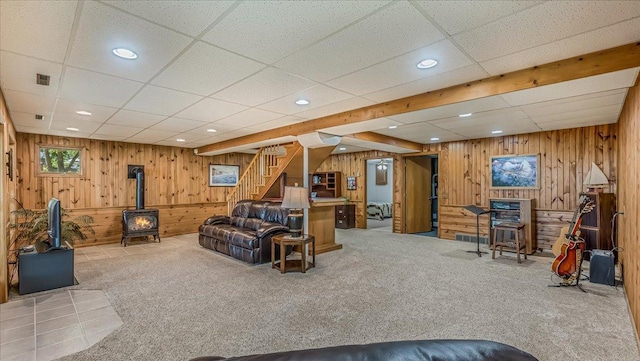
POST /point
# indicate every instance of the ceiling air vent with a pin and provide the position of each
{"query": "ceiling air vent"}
(43, 79)
(39, 117)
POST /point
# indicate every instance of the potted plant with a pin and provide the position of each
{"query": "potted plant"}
(30, 226)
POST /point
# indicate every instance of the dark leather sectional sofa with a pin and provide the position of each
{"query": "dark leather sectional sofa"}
(419, 350)
(246, 234)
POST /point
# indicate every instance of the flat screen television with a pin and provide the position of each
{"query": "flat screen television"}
(55, 223)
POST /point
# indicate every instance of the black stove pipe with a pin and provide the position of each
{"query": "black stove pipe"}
(139, 188)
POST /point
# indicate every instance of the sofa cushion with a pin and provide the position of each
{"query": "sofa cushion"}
(241, 209)
(257, 209)
(275, 213)
(244, 238)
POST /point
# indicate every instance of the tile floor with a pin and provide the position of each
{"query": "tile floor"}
(55, 324)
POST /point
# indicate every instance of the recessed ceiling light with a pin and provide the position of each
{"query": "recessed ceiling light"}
(342, 148)
(427, 63)
(496, 132)
(83, 112)
(393, 126)
(73, 129)
(302, 102)
(435, 139)
(211, 130)
(180, 140)
(465, 115)
(125, 53)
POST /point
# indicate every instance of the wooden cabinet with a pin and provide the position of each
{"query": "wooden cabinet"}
(326, 185)
(596, 225)
(515, 210)
(346, 216)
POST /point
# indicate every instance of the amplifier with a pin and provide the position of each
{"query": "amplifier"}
(601, 267)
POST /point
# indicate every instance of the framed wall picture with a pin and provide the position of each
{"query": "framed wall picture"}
(381, 174)
(351, 184)
(515, 171)
(223, 175)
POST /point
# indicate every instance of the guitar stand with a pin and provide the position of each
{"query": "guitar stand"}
(577, 279)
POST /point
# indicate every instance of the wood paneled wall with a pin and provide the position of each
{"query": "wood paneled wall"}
(176, 182)
(173, 175)
(629, 189)
(463, 179)
(7, 191)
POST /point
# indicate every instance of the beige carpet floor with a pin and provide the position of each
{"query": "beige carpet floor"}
(180, 303)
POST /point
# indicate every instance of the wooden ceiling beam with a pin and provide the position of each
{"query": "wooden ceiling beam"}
(385, 139)
(596, 63)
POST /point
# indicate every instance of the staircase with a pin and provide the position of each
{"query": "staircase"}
(262, 172)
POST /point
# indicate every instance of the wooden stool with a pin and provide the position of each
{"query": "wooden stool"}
(517, 242)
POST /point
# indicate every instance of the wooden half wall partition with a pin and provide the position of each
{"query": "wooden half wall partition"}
(628, 192)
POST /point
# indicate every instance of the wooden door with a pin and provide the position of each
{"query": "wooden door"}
(418, 194)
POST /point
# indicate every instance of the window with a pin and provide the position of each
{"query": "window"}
(59, 160)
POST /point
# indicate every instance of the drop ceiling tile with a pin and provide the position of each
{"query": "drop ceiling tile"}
(335, 108)
(115, 138)
(99, 89)
(189, 17)
(365, 126)
(29, 120)
(267, 85)
(602, 38)
(452, 110)
(102, 28)
(117, 130)
(615, 80)
(135, 119)
(276, 123)
(22, 27)
(551, 21)
(392, 31)
(439, 81)
(318, 95)
(61, 123)
(162, 101)
(233, 134)
(458, 16)
(490, 117)
(171, 143)
(270, 30)
(578, 114)
(191, 137)
(19, 73)
(508, 127)
(150, 136)
(583, 122)
(204, 69)
(177, 125)
(421, 133)
(32, 130)
(248, 118)
(403, 69)
(68, 108)
(210, 110)
(29, 103)
(566, 105)
(68, 133)
(349, 149)
(219, 129)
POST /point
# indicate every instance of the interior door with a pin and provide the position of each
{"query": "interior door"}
(418, 194)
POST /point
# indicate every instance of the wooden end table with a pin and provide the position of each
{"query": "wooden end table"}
(284, 240)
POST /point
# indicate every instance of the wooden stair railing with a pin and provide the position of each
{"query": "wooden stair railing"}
(262, 172)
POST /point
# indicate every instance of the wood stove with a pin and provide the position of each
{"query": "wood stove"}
(139, 222)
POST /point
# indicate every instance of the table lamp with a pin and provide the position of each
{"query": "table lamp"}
(595, 179)
(296, 199)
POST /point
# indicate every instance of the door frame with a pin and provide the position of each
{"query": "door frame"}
(404, 191)
(396, 160)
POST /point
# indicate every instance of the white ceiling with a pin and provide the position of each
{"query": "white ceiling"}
(238, 66)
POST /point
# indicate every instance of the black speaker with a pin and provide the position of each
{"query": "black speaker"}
(601, 267)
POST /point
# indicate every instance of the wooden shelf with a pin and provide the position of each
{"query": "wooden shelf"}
(326, 184)
(515, 210)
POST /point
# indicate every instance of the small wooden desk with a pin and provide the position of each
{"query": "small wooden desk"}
(284, 240)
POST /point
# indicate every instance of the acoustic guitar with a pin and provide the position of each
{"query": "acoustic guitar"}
(571, 230)
(570, 257)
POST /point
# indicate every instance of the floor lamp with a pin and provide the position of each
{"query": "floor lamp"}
(478, 212)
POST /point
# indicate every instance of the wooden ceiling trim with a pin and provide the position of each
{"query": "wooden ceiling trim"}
(385, 139)
(596, 63)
